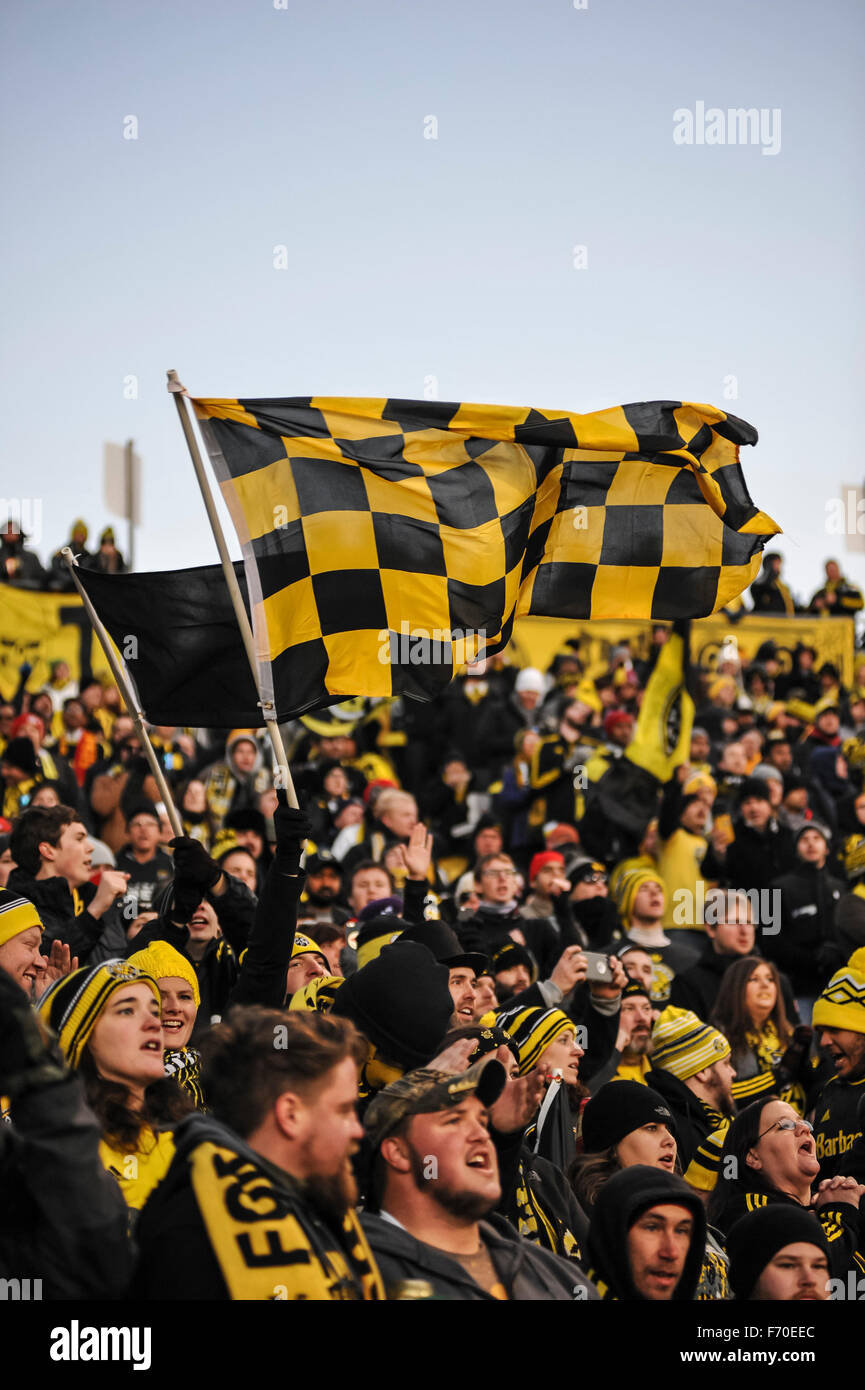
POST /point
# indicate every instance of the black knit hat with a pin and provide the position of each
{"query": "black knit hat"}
(756, 1239)
(617, 1110)
(511, 955)
(445, 945)
(19, 752)
(753, 786)
(314, 863)
(401, 1002)
(633, 987)
(144, 808)
(247, 819)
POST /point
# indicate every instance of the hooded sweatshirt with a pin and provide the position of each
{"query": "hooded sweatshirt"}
(619, 1204)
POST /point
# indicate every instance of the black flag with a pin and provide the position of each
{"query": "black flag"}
(179, 639)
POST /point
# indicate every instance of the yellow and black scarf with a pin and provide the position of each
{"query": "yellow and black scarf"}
(539, 1226)
(184, 1064)
(268, 1241)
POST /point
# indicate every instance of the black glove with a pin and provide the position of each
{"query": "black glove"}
(193, 865)
(292, 829)
(795, 1059)
(27, 1058)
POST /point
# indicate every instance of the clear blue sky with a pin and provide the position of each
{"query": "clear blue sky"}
(412, 258)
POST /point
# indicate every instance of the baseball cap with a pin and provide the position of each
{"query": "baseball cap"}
(425, 1091)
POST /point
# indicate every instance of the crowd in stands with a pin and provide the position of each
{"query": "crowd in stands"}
(483, 1019)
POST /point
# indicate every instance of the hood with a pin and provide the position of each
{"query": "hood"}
(619, 1203)
(239, 736)
(675, 1092)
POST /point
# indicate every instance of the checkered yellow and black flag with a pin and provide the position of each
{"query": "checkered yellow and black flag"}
(387, 541)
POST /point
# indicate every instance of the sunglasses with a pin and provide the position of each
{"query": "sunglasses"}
(787, 1125)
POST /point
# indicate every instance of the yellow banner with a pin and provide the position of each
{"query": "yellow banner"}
(536, 640)
(41, 628)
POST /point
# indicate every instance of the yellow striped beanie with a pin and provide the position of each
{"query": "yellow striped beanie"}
(17, 914)
(842, 1003)
(161, 961)
(72, 1006)
(629, 885)
(533, 1030)
(684, 1045)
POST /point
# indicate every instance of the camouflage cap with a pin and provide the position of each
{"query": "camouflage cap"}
(424, 1091)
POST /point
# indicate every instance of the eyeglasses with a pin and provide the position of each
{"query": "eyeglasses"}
(499, 873)
(787, 1125)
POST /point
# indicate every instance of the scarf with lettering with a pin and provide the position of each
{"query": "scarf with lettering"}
(268, 1241)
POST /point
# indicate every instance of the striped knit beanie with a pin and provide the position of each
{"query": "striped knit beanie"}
(17, 914)
(161, 961)
(72, 1006)
(684, 1045)
(627, 888)
(533, 1030)
(842, 1003)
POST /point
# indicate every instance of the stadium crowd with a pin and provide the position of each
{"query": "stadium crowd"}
(496, 1014)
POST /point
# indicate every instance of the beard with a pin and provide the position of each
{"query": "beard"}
(639, 1046)
(323, 897)
(469, 1206)
(333, 1196)
(724, 1103)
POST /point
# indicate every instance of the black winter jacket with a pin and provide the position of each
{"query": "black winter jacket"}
(757, 857)
(809, 902)
(91, 939)
(63, 1219)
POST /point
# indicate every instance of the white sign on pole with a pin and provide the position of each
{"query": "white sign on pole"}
(115, 487)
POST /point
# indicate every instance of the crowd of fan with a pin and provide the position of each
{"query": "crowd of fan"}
(464, 1026)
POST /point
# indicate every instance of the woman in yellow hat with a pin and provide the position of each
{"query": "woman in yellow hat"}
(108, 1022)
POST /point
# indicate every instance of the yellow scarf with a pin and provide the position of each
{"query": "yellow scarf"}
(138, 1172)
(265, 1249)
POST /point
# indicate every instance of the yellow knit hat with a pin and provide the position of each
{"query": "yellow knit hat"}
(73, 1005)
(163, 962)
(684, 1045)
(305, 946)
(627, 888)
(842, 1003)
(16, 915)
(698, 782)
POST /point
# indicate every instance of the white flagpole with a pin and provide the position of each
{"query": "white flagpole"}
(268, 709)
(118, 671)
